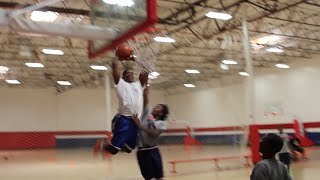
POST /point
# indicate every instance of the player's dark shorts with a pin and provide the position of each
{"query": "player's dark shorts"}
(125, 132)
(285, 158)
(150, 163)
(297, 148)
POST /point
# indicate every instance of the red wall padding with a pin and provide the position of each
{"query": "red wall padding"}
(26, 140)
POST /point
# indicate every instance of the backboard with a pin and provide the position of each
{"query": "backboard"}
(126, 17)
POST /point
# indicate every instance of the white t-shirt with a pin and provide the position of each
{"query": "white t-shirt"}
(270, 169)
(285, 147)
(130, 98)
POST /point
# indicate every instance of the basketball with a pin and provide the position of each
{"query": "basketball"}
(124, 52)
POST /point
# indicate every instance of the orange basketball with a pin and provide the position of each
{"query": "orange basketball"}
(124, 52)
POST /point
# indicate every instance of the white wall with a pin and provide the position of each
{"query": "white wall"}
(44, 110)
(82, 109)
(208, 108)
(295, 90)
(27, 110)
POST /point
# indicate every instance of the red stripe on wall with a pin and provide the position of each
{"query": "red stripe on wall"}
(28, 140)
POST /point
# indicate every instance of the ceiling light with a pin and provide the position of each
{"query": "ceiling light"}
(164, 39)
(152, 77)
(275, 50)
(47, 16)
(35, 65)
(243, 73)
(52, 51)
(113, 2)
(4, 68)
(256, 46)
(154, 74)
(229, 62)
(224, 66)
(13, 81)
(283, 66)
(217, 15)
(127, 3)
(271, 39)
(189, 85)
(192, 71)
(64, 83)
(99, 68)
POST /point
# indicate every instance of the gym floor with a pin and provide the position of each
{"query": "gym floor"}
(80, 164)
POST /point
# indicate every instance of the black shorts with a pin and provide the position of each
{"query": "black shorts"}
(150, 163)
(297, 148)
(285, 158)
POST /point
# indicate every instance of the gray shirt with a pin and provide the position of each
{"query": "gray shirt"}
(270, 169)
(147, 121)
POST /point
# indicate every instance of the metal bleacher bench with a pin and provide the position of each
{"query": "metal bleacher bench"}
(214, 159)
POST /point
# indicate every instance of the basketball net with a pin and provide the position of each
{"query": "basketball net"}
(145, 51)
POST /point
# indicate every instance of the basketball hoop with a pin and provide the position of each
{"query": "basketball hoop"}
(3, 71)
(145, 51)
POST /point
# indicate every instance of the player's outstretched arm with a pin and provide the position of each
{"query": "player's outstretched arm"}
(143, 77)
(146, 97)
(116, 70)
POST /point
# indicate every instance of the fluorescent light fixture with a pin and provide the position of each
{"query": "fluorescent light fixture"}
(256, 46)
(113, 2)
(275, 50)
(152, 77)
(192, 71)
(230, 62)
(164, 39)
(127, 3)
(4, 68)
(282, 66)
(224, 66)
(12, 81)
(35, 65)
(47, 16)
(52, 51)
(270, 39)
(243, 73)
(99, 68)
(154, 74)
(217, 15)
(189, 85)
(64, 83)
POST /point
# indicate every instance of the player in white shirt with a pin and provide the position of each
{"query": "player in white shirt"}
(130, 95)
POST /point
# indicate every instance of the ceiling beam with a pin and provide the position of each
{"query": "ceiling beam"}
(235, 26)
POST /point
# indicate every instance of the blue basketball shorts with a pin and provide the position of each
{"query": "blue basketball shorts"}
(125, 132)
